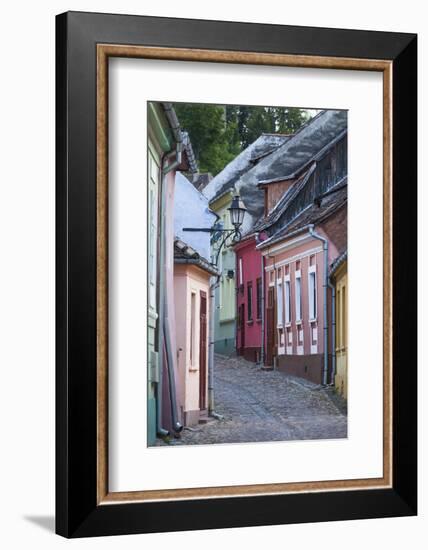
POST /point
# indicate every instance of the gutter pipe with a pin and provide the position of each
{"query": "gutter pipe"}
(161, 431)
(262, 297)
(164, 337)
(325, 286)
(214, 284)
(333, 332)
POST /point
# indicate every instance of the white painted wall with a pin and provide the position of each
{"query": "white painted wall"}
(191, 210)
(27, 275)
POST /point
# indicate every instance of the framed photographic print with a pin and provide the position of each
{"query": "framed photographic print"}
(236, 274)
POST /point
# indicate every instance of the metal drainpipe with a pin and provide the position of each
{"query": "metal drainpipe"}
(164, 335)
(161, 281)
(262, 297)
(333, 332)
(211, 411)
(325, 285)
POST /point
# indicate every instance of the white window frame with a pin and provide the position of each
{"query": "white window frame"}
(192, 350)
(279, 304)
(312, 300)
(240, 272)
(298, 296)
(300, 345)
(287, 298)
(289, 341)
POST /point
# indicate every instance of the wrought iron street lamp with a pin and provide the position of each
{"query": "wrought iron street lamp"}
(237, 213)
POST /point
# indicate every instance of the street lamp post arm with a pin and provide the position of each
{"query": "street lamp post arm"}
(199, 229)
(207, 229)
(227, 233)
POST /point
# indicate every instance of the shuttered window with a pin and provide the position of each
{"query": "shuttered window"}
(259, 298)
(279, 304)
(287, 301)
(250, 301)
(312, 293)
(298, 297)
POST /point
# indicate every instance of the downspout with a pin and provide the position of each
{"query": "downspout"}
(214, 284)
(333, 332)
(325, 286)
(262, 297)
(164, 334)
(162, 432)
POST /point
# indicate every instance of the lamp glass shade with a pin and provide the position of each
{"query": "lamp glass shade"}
(237, 211)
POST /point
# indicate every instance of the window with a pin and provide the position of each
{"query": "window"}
(154, 173)
(240, 272)
(227, 298)
(312, 291)
(298, 297)
(192, 328)
(287, 301)
(259, 298)
(341, 316)
(250, 301)
(280, 304)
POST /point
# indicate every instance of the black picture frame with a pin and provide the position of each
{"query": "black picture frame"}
(77, 512)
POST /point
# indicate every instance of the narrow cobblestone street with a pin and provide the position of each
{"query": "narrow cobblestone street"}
(267, 406)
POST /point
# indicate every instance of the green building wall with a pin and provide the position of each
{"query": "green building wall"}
(225, 295)
(159, 141)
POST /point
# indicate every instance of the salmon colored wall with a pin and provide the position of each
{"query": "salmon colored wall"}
(335, 229)
(300, 252)
(187, 279)
(169, 282)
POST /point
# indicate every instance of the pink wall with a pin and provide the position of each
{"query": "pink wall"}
(169, 292)
(250, 259)
(190, 279)
(301, 252)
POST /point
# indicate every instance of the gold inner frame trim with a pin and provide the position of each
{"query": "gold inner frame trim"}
(104, 51)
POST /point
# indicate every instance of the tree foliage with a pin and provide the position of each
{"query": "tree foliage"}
(220, 132)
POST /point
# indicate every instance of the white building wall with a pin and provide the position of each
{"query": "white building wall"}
(191, 210)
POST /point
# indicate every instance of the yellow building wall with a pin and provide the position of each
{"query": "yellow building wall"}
(341, 378)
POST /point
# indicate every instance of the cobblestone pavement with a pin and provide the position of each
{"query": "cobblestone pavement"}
(261, 405)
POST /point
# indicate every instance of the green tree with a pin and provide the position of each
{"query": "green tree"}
(214, 141)
(255, 121)
(220, 132)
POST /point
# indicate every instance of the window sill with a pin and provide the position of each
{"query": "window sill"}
(227, 320)
(299, 323)
(258, 321)
(250, 322)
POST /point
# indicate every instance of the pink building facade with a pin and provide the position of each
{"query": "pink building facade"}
(305, 223)
(249, 299)
(295, 279)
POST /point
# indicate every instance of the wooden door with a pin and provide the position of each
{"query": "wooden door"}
(203, 351)
(270, 327)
